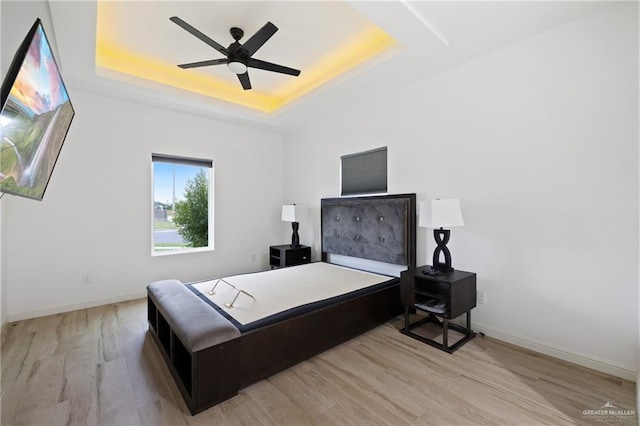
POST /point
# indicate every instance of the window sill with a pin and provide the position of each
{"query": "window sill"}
(173, 252)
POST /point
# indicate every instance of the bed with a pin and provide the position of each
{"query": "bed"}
(214, 345)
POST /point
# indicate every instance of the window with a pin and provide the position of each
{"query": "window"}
(364, 172)
(182, 208)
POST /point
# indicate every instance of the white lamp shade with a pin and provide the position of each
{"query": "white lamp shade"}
(443, 214)
(289, 213)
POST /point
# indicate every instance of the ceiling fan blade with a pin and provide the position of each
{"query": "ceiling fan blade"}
(259, 38)
(204, 63)
(256, 63)
(244, 80)
(199, 35)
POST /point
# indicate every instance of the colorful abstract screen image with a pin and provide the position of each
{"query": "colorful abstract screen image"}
(34, 120)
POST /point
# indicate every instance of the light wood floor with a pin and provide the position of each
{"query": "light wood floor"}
(99, 366)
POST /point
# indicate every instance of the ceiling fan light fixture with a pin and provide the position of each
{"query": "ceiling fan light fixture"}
(237, 67)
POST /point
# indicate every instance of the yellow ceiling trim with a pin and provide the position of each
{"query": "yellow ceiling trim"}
(369, 43)
(119, 59)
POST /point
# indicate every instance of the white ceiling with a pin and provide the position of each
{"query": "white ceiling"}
(433, 36)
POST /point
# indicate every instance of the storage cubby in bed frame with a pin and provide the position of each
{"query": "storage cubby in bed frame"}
(203, 377)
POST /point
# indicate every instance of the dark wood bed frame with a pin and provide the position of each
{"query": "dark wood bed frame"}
(214, 374)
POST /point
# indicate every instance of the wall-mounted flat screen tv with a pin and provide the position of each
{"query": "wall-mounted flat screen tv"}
(35, 117)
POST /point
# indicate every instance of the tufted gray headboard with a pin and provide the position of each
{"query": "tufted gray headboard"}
(380, 228)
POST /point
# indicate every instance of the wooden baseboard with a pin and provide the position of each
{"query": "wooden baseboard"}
(74, 307)
(604, 366)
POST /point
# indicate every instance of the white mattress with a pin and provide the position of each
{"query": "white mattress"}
(282, 289)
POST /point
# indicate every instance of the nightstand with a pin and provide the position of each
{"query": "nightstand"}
(285, 255)
(438, 298)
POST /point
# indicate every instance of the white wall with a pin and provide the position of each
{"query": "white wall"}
(95, 218)
(15, 21)
(540, 142)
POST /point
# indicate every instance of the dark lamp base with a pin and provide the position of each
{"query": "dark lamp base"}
(295, 238)
(442, 267)
(442, 238)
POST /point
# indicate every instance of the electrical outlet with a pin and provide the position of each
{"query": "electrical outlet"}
(86, 279)
(481, 298)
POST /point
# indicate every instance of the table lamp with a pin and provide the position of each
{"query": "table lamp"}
(443, 214)
(289, 215)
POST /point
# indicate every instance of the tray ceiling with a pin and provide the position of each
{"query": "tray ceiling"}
(322, 39)
(349, 52)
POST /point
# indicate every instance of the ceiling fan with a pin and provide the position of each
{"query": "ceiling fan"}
(238, 56)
